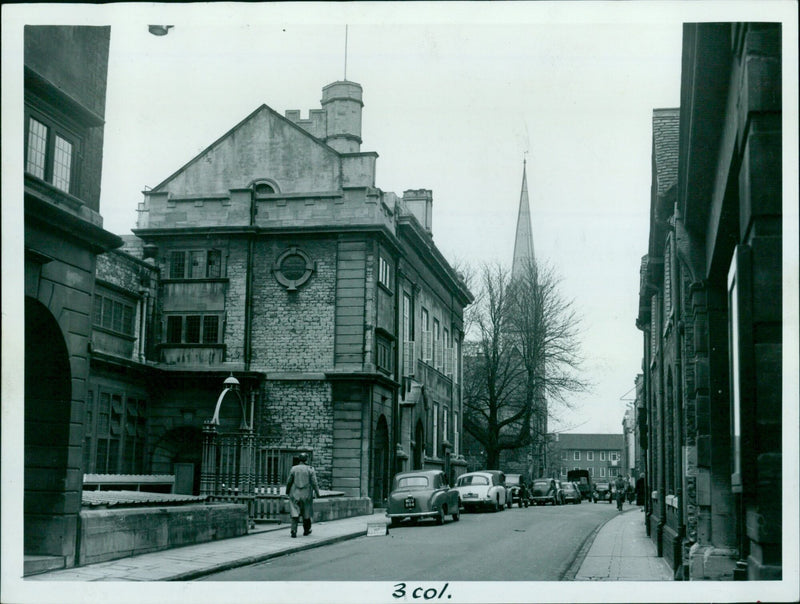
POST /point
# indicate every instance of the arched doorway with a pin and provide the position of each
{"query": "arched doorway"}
(183, 445)
(48, 507)
(380, 457)
(419, 445)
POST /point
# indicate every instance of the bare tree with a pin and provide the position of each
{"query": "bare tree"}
(525, 357)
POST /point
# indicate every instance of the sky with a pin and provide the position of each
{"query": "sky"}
(451, 107)
(451, 104)
(456, 95)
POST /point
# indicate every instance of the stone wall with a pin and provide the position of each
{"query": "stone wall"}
(112, 534)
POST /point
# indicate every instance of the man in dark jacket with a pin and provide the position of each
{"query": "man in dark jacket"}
(620, 485)
(301, 488)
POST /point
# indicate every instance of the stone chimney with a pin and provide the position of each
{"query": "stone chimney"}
(420, 203)
(342, 104)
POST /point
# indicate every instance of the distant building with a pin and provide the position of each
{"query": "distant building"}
(601, 454)
(710, 310)
(65, 96)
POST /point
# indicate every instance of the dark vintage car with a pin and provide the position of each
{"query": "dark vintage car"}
(422, 494)
(571, 492)
(583, 480)
(484, 489)
(546, 490)
(602, 492)
(517, 490)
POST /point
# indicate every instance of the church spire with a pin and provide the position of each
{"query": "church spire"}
(523, 243)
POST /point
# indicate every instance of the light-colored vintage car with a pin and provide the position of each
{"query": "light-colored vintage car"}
(484, 489)
(422, 494)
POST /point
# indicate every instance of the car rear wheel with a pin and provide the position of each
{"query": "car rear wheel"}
(440, 517)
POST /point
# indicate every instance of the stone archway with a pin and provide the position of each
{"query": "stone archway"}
(52, 479)
(380, 460)
(182, 445)
(419, 446)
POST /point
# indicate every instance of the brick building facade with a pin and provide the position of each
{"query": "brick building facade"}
(710, 310)
(601, 454)
(273, 257)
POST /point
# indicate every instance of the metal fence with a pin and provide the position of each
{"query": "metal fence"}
(242, 468)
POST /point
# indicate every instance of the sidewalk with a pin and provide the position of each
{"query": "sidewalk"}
(193, 561)
(622, 551)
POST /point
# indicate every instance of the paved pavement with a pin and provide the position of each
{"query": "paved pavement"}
(620, 551)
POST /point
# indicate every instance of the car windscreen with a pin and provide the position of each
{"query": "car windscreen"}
(407, 482)
(468, 480)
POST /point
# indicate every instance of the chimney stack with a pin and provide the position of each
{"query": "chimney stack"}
(420, 203)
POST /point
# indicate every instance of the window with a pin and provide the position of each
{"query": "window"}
(602, 455)
(613, 456)
(602, 472)
(591, 471)
(576, 455)
(192, 329)
(383, 354)
(116, 442)
(563, 471)
(113, 314)
(437, 345)
(435, 430)
(50, 153)
(457, 359)
(427, 341)
(564, 455)
(195, 264)
(456, 443)
(589, 455)
(612, 471)
(385, 273)
(445, 433)
(409, 356)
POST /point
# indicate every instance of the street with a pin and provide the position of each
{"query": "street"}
(528, 544)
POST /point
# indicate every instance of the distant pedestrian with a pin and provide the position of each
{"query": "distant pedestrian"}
(619, 485)
(640, 490)
(301, 488)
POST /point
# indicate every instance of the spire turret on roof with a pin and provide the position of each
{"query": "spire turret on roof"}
(523, 243)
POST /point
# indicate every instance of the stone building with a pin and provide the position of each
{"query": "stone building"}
(64, 105)
(282, 264)
(710, 309)
(601, 454)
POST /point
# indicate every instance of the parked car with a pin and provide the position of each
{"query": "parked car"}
(571, 492)
(422, 494)
(584, 481)
(517, 490)
(602, 492)
(546, 490)
(483, 489)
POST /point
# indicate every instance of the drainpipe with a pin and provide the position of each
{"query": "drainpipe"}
(248, 291)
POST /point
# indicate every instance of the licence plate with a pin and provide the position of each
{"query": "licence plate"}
(470, 496)
(410, 502)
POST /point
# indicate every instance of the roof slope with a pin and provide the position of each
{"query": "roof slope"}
(595, 442)
(263, 145)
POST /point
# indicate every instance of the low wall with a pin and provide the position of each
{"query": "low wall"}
(111, 534)
(333, 508)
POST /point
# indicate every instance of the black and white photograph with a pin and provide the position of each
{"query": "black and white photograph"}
(400, 302)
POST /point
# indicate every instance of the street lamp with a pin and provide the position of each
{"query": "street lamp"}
(231, 384)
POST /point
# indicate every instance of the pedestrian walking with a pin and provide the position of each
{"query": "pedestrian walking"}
(640, 490)
(301, 488)
(619, 485)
